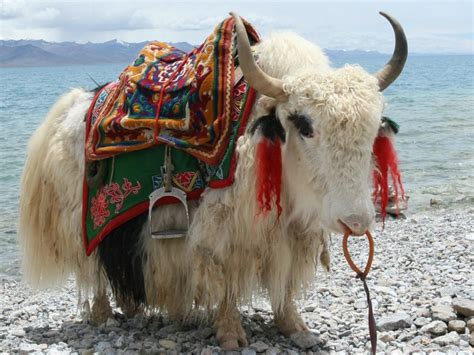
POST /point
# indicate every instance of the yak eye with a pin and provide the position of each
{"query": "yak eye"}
(303, 124)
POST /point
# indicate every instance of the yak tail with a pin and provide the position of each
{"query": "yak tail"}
(49, 229)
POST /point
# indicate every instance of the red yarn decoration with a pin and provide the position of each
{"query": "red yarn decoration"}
(387, 162)
(269, 172)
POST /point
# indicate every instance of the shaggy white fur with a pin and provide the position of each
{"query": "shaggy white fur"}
(231, 252)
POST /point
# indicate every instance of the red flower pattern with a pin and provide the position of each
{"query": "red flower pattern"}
(114, 194)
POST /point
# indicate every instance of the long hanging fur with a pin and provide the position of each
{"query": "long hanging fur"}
(387, 162)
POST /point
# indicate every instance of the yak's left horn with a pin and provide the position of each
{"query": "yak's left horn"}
(389, 73)
(256, 77)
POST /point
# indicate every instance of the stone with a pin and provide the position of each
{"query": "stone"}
(102, 346)
(457, 326)
(26, 348)
(470, 325)
(471, 339)
(259, 346)
(304, 340)
(386, 337)
(464, 306)
(20, 333)
(436, 328)
(394, 322)
(248, 351)
(423, 312)
(111, 322)
(385, 290)
(422, 321)
(443, 312)
(450, 338)
(272, 351)
(167, 344)
(360, 304)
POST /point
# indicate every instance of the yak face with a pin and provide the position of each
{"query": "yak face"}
(331, 121)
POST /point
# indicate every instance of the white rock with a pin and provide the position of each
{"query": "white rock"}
(443, 312)
(450, 338)
(422, 321)
(167, 344)
(259, 346)
(464, 306)
(470, 325)
(246, 351)
(457, 326)
(395, 321)
(304, 340)
(436, 328)
(18, 332)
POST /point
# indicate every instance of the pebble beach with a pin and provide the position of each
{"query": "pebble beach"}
(421, 284)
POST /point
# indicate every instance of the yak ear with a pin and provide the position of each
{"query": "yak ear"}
(269, 127)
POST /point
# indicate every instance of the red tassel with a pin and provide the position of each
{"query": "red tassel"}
(269, 172)
(387, 162)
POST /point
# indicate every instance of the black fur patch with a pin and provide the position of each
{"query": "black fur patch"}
(122, 260)
(270, 127)
(303, 124)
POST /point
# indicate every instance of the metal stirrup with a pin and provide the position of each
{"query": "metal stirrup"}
(167, 191)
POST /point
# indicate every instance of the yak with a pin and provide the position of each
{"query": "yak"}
(326, 119)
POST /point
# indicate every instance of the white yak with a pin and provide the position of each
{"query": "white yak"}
(328, 119)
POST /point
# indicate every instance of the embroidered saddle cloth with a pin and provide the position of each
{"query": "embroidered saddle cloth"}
(203, 112)
(172, 97)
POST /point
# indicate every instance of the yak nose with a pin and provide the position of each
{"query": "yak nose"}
(358, 224)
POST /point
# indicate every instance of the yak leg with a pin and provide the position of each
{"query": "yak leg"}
(288, 320)
(129, 308)
(101, 309)
(229, 331)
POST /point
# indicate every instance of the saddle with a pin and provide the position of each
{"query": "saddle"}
(164, 131)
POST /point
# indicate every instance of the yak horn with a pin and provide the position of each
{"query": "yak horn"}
(255, 76)
(389, 73)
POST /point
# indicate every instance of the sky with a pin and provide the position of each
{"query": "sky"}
(431, 26)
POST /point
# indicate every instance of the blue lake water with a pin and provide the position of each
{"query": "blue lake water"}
(433, 101)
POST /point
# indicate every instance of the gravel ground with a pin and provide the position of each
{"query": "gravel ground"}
(422, 288)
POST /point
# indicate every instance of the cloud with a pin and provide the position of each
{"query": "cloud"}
(46, 15)
(11, 9)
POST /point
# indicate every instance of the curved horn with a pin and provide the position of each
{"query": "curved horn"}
(255, 76)
(389, 73)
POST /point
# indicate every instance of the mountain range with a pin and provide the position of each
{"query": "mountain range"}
(26, 53)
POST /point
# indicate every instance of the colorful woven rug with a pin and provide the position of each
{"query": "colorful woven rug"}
(168, 96)
(123, 183)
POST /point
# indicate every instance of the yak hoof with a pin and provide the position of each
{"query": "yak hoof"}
(101, 310)
(232, 341)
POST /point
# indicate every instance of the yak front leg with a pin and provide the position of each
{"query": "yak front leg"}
(288, 319)
(289, 322)
(229, 331)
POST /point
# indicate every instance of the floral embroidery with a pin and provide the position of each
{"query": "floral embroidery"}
(113, 194)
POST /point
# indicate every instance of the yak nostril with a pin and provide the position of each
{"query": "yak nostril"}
(355, 223)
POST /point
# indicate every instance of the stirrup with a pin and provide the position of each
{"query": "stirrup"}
(157, 195)
(167, 191)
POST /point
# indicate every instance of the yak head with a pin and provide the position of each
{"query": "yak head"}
(329, 119)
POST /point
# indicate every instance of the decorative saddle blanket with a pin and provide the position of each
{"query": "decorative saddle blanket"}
(190, 102)
(172, 97)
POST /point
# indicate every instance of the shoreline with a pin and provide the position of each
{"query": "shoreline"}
(422, 268)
